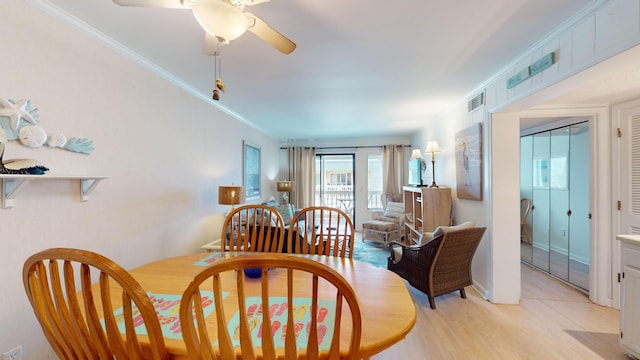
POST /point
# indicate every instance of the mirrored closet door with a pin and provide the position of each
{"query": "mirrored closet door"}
(554, 176)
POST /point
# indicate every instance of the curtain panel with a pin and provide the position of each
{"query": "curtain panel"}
(302, 171)
(393, 162)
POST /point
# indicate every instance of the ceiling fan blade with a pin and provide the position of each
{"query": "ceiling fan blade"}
(211, 45)
(171, 4)
(242, 3)
(265, 32)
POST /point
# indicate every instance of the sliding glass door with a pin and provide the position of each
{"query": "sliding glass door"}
(335, 182)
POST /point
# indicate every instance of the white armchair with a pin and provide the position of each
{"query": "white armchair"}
(393, 209)
(386, 225)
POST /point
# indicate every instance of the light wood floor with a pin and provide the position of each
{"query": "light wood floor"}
(572, 271)
(552, 321)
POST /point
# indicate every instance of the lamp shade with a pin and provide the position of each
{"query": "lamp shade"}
(432, 147)
(284, 186)
(231, 195)
(416, 154)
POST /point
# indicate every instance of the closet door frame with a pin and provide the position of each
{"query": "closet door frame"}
(549, 128)
(604, 249)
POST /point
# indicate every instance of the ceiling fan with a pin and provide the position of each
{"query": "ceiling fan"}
(224, 19)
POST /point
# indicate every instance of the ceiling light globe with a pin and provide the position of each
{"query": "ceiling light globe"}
(220, 19)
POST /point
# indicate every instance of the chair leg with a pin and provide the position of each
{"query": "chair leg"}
(524, 233)
(463, 294)
(432, 302)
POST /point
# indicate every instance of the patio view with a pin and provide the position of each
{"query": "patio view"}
(335, 182)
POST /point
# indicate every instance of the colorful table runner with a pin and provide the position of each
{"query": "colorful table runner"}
(215, 257)
(168, 308)
(278, 312)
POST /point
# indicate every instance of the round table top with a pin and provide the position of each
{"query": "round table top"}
(388, 311)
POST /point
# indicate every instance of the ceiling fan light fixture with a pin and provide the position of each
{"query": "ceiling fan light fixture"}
(220, 19)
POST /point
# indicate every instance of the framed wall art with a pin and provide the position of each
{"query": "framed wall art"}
(251, 170)
(469, 163)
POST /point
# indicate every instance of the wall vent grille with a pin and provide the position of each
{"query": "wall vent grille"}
(476, 102)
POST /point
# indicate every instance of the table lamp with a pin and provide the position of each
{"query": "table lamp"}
(231, 195)
(285, 187)
(433, 149)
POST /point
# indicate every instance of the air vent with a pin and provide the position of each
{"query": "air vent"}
(476, 102)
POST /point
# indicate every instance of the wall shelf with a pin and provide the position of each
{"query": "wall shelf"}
(12, 184)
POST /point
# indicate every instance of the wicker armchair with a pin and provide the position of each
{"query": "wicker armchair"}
(439, 266)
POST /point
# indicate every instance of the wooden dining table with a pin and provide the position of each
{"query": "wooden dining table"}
(387, 309)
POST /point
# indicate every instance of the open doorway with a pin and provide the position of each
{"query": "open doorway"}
(555, 187)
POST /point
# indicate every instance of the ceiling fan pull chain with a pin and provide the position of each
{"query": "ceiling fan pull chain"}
(215, 95)
(219, 83)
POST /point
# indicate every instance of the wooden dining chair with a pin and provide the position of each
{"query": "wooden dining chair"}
(253, 228)
(525, 207)
(58, 283)
(306, 280)
(321, 230)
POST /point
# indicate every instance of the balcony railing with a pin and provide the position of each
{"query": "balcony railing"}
(343, 200)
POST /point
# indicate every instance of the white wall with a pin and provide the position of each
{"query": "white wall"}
(164, 150)
(445, 168)
(504, 208)
(605, 28)
(600, 32)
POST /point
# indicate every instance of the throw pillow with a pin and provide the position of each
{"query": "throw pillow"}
(394, 209)
(269, 216)
(286, 211)
(271, 203)
(445, 229)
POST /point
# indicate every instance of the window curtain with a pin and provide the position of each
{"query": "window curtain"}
(302, 171)
(393, 174)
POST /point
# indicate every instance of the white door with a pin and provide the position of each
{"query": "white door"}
(627, 116)
(630, 310)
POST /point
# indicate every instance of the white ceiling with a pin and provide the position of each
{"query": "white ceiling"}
(361, 67)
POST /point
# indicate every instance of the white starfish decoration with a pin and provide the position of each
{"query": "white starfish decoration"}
(16, 111)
